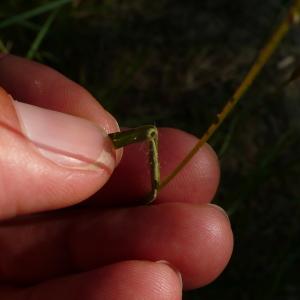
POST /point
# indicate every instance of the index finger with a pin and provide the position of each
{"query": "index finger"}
(196, 183)
(39, 85)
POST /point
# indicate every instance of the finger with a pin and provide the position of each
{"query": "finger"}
(197, 239)
(48, 159)
(125, 280)
(48, 88)
(196, 183)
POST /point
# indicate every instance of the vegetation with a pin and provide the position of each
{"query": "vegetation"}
(174, 63)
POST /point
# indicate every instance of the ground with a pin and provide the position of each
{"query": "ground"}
(174, 63)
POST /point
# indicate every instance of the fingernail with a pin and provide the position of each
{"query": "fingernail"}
(219, 208)
(65, 139)
(173, 268)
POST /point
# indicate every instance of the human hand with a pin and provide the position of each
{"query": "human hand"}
(98, 245)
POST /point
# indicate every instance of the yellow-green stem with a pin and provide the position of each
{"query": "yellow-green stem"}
(292, 17)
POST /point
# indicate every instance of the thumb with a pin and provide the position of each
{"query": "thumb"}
(48, 159)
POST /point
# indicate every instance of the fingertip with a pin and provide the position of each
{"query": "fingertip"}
(174, 269)
(198, 181)
(196, 239)
(49, 159)
(218, 249)
(125, 280)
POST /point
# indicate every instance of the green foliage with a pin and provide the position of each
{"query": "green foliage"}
(174, 63)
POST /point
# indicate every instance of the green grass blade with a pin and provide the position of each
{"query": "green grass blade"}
(41, 35)
(32, 13)
(3, 48)
(29, 25)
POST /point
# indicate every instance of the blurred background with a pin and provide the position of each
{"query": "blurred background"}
(175, 63)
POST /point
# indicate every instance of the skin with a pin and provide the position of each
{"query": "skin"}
(102, 244)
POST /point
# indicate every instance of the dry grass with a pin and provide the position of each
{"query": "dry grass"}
(174, 63)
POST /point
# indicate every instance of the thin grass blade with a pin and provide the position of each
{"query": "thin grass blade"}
(292, 17)
(33, 12)
(41, 35)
